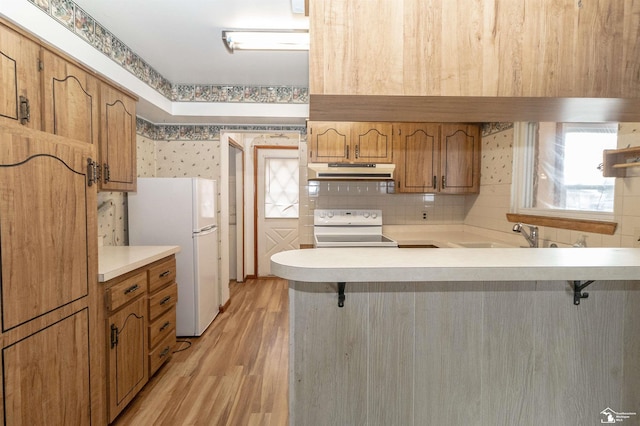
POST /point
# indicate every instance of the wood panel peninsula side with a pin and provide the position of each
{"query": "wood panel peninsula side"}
(462, 336)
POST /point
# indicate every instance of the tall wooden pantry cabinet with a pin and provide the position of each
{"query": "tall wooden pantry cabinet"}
(51, 332)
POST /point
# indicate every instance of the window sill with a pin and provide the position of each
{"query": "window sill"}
(593, 226)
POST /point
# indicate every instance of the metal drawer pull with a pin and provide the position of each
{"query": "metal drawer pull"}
(165, 274)
(165, 325)
(132, 289)
(165, 352)
(165, 300)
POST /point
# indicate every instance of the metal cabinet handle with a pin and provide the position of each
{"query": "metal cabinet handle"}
(114, 336)
(435, 182)
(165, 352)
(25, 110)
(106, 173)
(131, 289)
(165, 325)
(444, 182)
(92, 172)
(165, 274)
(165, 300)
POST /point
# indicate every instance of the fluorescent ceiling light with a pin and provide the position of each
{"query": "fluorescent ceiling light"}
(266, 39)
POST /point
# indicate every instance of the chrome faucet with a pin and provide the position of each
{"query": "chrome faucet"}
(531, 236)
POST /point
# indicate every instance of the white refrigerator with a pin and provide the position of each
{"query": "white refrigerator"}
(182, 211)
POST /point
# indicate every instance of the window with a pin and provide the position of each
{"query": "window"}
(557, 169)
(281, 187)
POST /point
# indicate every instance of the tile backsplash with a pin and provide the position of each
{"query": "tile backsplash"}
(397, 209)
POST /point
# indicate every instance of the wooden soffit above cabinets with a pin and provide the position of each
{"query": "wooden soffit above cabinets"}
(471, 109)
(474, 61)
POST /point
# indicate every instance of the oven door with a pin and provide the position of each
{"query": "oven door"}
(353, 240)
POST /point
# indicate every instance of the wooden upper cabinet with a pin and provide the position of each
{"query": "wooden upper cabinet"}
(372, 142)
(460, 159)
(71, 99)
(20, 95)
(329, 142)
(117, 140)
(416, 157)
(433, 157)
(349, 142)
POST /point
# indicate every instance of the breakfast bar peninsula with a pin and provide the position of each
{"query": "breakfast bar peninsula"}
(451, 336)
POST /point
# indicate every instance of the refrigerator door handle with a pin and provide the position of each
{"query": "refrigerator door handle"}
(206, 230)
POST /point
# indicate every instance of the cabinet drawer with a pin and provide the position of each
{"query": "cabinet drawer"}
(162, 274)
(161, 353)
(121, 293)
(162, 300)
(163, 326)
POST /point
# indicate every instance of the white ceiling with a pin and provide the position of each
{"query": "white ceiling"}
(183, 40)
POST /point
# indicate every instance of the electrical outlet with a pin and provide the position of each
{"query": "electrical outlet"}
(636, 237)
(424, 215)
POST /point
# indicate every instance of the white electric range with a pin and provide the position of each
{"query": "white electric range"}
(349, 228)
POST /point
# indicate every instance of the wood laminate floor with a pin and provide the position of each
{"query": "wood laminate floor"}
(236, 373)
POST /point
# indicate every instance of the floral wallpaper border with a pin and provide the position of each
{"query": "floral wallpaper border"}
(199, 132)
(76, 20)
(491, 128)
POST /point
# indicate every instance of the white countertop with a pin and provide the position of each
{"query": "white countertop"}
(378, 264)
(441, 236)
(114, 261)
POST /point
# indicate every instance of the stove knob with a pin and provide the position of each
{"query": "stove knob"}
(374, 215)
(330, 214)
(322, 214)
(365, 214)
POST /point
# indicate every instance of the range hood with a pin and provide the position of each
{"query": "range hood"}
(348, 171)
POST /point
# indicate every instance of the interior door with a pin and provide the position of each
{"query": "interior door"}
(277, 204)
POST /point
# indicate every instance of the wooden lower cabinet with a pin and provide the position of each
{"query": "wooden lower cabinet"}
(128, 370)
(46, 375)
(140, 327)
(163, 296)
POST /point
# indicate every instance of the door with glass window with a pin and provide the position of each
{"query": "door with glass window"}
(277, 204)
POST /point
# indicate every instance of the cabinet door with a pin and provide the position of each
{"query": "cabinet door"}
(46, 375)
(71, 105)
(460, 159)
(44, 230)
(416, 157)
(19, 79)
(372, 142)
(117, 140)
(329, 142)
(51, 314)
(128, 362)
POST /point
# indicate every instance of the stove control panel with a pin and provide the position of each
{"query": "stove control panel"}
(346, 217)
